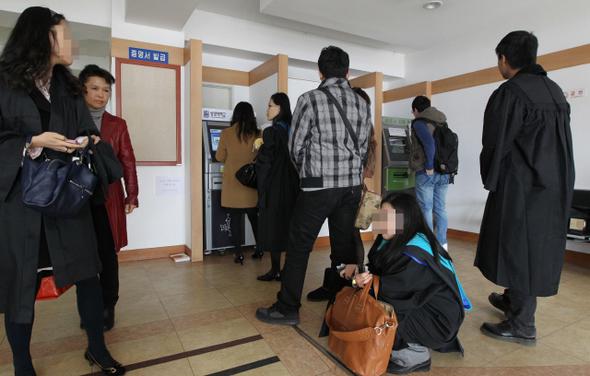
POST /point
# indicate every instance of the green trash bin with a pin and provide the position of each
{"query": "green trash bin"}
(398, 179)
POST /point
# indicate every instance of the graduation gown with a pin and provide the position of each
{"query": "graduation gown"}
(527, 165)
(278, 187)
(71, 242)
(426, 298)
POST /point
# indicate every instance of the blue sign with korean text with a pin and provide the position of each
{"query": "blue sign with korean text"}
(148, 55)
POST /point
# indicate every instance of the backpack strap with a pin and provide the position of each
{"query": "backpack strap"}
(355, 140)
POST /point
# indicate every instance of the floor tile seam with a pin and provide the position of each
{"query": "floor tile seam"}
(247, 367)
(169, 329)
(327, 354)
(167, 294)
(82, 338)
(567, 325)
(180, 328)
(544, 339)
(185, 354)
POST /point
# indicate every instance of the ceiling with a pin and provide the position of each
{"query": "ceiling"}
(395, 25)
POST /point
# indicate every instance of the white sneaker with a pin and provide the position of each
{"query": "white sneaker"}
(446, 247)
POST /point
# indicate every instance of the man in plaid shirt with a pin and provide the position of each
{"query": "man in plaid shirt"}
(330, 168)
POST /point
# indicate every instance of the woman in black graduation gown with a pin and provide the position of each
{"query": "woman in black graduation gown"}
(418, 280)
(278, 185)
(42, 106)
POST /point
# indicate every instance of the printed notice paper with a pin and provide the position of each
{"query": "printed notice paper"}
(169, 185)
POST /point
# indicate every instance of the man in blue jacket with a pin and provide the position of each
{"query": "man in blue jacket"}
(431, 187)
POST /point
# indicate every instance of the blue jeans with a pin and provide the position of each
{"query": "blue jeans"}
(431, 192)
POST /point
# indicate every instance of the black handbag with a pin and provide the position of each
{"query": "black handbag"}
(247, 174)
(56, 188)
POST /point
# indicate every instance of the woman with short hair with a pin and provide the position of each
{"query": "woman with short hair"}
(109, 213)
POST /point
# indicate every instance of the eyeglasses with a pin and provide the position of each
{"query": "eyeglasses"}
(272, 105)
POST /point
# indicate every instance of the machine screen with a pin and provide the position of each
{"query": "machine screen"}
(398, 146)
(215, 135)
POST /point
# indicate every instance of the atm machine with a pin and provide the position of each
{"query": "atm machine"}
(396, 156)
(218, 234)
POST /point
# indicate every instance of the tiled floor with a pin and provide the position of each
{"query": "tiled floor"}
(198, 319)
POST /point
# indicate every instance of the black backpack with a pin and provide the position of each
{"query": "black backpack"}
(446, 144)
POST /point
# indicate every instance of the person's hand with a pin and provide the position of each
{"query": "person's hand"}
(367, 174)
(430, 172)
(349, 271)
(257, 144)
(95, 139)
(129, 208)
(54, 141)
(362, 279)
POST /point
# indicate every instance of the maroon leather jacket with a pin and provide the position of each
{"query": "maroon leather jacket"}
(114, 131)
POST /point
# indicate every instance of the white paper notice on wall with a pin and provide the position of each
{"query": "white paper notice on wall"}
(169, 185)
(576, 93)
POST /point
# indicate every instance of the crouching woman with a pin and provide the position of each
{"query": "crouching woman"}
(419, 281)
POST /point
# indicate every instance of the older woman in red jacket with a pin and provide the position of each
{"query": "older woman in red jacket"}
(109, 217)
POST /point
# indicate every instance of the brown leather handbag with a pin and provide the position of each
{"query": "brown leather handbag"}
(362, 329)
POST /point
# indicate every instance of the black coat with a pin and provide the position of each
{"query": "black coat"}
(426, 300)
(527, 164)
(71, 242)
(278, 187)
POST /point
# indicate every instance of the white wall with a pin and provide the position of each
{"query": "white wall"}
(464, 108)
(570, 79)
(260, 93)
(159, 221)
(246, 35)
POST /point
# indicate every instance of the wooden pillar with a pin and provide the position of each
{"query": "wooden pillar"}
(196, 151)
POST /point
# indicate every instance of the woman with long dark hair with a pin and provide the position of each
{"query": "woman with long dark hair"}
(236, 148)
(43, 114)
(278, 185)
(418, 280)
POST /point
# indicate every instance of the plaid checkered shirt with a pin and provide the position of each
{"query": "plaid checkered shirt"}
(320, 145)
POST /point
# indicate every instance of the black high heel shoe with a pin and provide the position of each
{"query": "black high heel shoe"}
(115, 369)
(270, 276)
(258, 254)
(239, 257)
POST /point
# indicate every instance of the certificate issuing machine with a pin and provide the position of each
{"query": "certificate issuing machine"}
(218, 234)
(396, 156)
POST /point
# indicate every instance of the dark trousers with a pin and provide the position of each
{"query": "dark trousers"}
(522, 308)
(90, 308)
(339, 206)
(109, 276)
(235, 220)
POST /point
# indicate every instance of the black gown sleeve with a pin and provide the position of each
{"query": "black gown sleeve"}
(503, 120)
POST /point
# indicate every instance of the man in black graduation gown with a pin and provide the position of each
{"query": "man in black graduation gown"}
(527, 165)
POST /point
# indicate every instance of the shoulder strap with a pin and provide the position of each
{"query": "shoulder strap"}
(343, 115)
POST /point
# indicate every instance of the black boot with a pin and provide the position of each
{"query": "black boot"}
(322, 293)
(108, 317)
